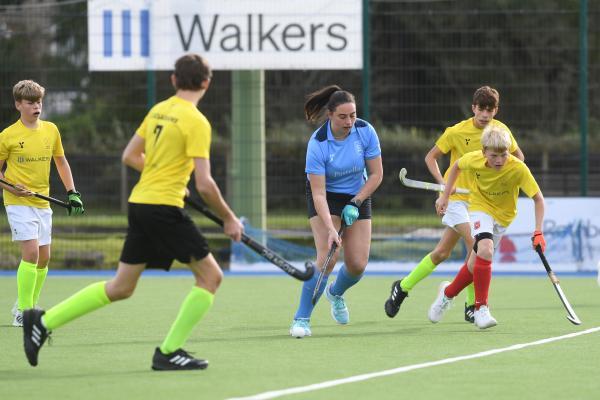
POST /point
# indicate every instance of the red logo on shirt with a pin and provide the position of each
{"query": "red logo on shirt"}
(476, 225)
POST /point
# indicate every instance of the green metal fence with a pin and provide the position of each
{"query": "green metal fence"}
(425, 60)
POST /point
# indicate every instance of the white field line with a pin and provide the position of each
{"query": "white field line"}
(357, 378)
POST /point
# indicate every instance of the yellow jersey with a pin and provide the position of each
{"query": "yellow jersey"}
(174, 132)
(463, 138)
(28, 153)
(495, 192)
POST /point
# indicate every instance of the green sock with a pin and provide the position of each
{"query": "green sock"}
(420, 272)
(195, 305)
(470, 295)
(39, 283)
(26, 277)
(85, 301)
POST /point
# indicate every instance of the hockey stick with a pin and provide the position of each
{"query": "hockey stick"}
(325, 264)
(572, 317)
(434, 187)
(264, 251)
(40, 196)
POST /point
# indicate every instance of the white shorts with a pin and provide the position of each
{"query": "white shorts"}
(27, 223)
(456, 213)
(482, 222)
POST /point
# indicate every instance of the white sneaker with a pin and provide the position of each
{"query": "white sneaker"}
(15, 308)
(440, 305)
(300, 328)
(18, 320)
(483, 318)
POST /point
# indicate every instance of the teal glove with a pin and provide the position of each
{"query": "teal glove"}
(75, 203)
(350, 212)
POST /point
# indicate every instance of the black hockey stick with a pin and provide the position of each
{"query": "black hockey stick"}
(572, 317)
(264, 251)
(325, 264)
(40, 196)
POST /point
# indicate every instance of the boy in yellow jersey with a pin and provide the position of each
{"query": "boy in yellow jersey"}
(172, 141)
(496, 178)
(27, 146)
(458, 140)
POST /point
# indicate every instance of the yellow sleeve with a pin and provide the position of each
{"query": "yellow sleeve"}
(141, 131)
(197, 140)
(528, 184)
(513, 142)
(443, 143)
(464, 162)
(3, 146)
(58, 149)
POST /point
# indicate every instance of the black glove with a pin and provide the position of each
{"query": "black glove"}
(75, 203)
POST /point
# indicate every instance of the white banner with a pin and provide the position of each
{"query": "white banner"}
(571, 228)
(231, 34)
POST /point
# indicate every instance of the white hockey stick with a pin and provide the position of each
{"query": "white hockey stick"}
(434, 187)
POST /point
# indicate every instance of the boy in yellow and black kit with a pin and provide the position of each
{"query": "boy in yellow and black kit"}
(27, 146)
(172, 142)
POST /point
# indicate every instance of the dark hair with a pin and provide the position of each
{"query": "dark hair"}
(329, 96)
(190, 71)
(486, 97)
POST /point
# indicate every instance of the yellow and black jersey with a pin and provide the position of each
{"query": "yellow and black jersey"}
(495, 192)
(175, 132)
(28, 153)
(461, 139)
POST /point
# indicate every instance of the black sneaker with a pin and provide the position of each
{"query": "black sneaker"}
(179, 360)
(34, 334)
(397, 296)
(470, 313)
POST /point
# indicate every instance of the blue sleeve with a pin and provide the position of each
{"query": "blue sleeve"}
(315, 160)
(373, 148)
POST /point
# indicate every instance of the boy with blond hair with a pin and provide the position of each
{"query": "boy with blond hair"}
(27, 146)
(456, 141)
(496, 177)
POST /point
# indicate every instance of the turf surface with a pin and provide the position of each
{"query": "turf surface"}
(107, 354)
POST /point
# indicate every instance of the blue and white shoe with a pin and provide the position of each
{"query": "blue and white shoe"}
(300, 328)
(339, 311)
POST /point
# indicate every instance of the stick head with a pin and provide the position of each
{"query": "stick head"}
(574, 320)
(402, 174)
(310, 269)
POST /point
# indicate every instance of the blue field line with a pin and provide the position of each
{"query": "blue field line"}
(183, 272)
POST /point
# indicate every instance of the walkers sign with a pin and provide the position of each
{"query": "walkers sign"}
(231, 34)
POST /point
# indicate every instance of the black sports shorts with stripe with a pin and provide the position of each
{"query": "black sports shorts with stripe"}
(159, 234)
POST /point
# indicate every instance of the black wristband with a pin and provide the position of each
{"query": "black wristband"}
(73, 192)
(355, 202)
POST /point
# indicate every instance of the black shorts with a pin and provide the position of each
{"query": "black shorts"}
(159, 234)
(336, 203)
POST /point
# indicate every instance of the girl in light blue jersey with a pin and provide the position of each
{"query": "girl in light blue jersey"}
(343, 169)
